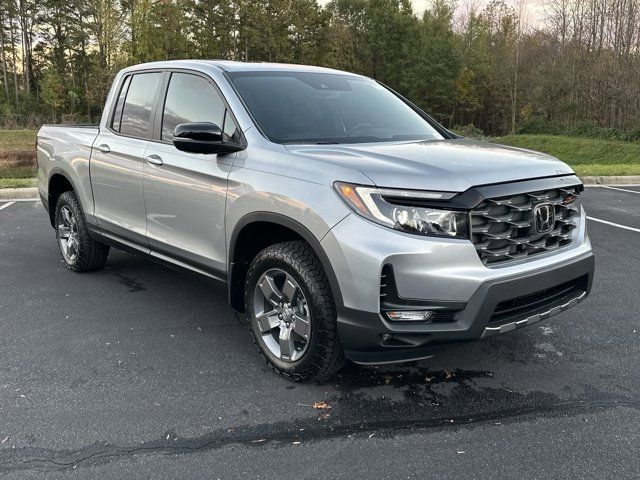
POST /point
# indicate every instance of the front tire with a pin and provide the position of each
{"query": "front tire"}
(292, 314)
(79, 251)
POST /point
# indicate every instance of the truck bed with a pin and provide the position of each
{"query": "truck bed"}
(65, 148)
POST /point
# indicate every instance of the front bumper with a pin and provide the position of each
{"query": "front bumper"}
(442, 272)
(362, 332)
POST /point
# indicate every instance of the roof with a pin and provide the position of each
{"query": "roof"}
(233, 66)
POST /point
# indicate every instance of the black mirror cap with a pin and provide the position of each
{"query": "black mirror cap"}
(202, 137)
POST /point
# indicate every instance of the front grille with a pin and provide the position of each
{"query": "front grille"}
(541, 300)
(502, 229)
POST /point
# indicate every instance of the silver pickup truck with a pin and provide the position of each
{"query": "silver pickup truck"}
(345, 222)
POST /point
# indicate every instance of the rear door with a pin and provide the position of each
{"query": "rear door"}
(185, 193)
(118, 156)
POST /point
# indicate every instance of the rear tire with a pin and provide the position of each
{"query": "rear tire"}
(298, 334)
(79, 251)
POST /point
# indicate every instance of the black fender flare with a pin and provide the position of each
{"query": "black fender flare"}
(297, 227)
(50, 207)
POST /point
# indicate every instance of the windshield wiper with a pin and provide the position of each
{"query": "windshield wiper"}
(327, 142)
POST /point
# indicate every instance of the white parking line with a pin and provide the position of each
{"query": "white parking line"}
(615, 224)
(597, 185)
(6, 205)
(622, 189)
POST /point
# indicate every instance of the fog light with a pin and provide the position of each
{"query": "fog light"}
(409, 315)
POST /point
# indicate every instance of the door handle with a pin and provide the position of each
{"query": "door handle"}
(154, 159)
(104, 148)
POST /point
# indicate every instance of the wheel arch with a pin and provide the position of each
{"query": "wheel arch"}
(58, 183)
(243, 247)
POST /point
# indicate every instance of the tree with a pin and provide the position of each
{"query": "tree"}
(437, 64)
(581, 67)
(52, 88)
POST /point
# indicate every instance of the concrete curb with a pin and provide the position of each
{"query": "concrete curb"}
(613, 180)
(18, 193)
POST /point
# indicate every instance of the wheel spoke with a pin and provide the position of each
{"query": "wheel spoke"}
(289, 289)
(73, 248)
(270, 291)
(65, 246)
(64, 231)
(287, 348)
(301, 326)
(66, 215)
(267, 321)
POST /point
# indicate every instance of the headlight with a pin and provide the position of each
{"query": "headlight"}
(399, 209)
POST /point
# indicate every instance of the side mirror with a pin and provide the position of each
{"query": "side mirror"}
(202, 137)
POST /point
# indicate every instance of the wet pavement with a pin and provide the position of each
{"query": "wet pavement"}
(140, 371)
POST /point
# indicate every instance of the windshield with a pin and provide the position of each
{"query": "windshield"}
(293, 107)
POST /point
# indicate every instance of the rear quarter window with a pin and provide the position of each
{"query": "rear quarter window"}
(117, 113)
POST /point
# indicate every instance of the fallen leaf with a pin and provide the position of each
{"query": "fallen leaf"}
(449, 374)
(387, 379)
(321, 406)
(4, 440)
(428, 379)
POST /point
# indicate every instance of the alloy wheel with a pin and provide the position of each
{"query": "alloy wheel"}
(282, 315)
(68, 234)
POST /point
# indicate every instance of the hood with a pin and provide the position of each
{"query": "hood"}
(444, 165)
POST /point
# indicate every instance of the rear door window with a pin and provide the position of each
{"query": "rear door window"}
(139, 104)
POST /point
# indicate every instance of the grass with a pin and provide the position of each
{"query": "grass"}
(17, 158)
(17, 176)
(17, 140)
(587, 156)
(18, 171)
(18, 182)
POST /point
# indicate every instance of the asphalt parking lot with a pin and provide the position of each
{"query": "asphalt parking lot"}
(140, 371)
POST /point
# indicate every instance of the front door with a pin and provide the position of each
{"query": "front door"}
(185, 193)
